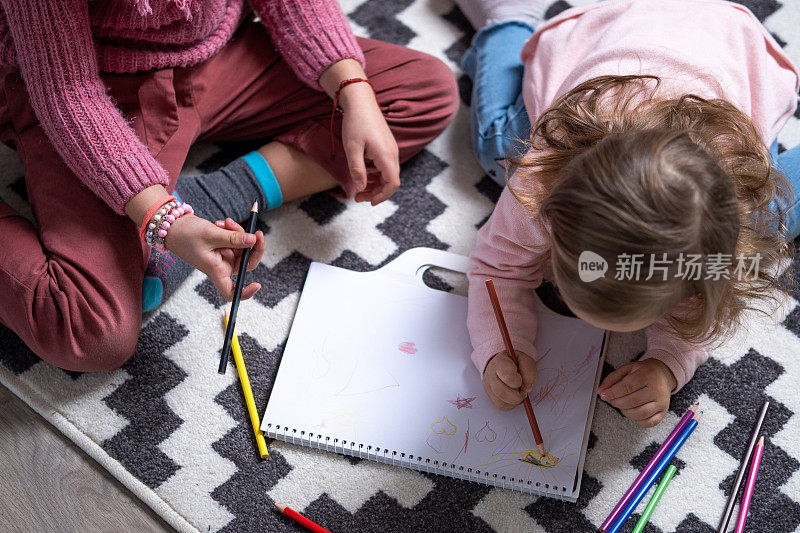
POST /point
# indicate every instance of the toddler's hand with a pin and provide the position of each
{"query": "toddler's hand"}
(215, 250)
(641, 390)
(507, 384)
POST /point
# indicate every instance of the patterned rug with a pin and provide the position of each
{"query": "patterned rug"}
(177, 433)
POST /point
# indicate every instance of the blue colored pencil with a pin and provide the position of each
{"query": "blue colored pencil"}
(657, 471)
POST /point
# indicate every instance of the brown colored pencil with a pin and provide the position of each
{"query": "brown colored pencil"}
(498, 313)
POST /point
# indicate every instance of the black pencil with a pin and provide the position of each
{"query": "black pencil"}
(726, 516)
(237, 294)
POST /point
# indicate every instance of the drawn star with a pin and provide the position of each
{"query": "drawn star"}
(462, 402)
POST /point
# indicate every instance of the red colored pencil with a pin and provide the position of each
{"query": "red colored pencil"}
(300, 519)
(498, 313)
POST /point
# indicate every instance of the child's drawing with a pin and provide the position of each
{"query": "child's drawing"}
(527, 458)
(321, 365)
(486, 434)
(407, 348)
(462, 402)
(351, 366)
(552, 380)
(367, 380)
(337, 418)
(559, 385)
(432, 447)
(466, 442)
(442, 430)
(539, 360)
(586, 360)
(443, 426)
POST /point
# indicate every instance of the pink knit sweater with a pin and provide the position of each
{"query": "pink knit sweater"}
(61, 46)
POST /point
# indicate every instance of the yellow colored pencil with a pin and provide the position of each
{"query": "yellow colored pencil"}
(248, 393)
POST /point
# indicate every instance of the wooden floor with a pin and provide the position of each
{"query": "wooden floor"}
(49, 484)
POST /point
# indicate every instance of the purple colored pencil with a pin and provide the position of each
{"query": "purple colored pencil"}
(649, 468)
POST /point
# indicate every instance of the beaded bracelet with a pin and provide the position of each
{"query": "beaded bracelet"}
(150, 212)
(163, 218)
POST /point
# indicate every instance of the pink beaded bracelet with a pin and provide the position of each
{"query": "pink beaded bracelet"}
(161, 222)
(152, 211)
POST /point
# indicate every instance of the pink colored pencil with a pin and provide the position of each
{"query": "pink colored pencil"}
(649, 468)
(748, 488)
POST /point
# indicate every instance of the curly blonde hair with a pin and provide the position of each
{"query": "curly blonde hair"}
(617, 168)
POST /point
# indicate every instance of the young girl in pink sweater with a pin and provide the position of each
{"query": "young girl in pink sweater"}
(648, 152)
(102, 101)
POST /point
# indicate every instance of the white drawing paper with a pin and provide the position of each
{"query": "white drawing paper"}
(378, 366)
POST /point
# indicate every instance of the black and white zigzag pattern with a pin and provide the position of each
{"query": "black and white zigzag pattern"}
(181, 433)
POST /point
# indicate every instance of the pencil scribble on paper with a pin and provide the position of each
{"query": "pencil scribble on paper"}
(341, 418)
(443, 426)
(428, 442)
(366, 384)
(559, 385)
(539, 360)
(322, 364)
(527, 458)
(407, 348)
(485, 434)
(462, 402)
(586, 360)
(553, 380)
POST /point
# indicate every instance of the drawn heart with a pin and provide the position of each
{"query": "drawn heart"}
(485, 434)
(443, 426)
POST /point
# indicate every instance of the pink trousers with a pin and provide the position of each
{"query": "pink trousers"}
(70, 286)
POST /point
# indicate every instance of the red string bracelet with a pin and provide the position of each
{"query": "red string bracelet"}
(342, 85)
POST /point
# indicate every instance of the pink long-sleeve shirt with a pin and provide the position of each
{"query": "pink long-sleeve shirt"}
(61, 46)
(712, 48)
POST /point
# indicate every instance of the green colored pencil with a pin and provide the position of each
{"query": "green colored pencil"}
(654, 500)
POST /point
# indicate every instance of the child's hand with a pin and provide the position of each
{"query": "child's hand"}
(507, 384)
(365, 135)
(641, 390)
(216, 250)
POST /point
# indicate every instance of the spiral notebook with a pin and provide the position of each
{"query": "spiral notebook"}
(377, 366)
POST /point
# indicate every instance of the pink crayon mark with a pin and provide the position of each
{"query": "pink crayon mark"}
(486, 434)
(462, 402)
(408, 348)
(431, 446)
(585, 362)
(466, 442)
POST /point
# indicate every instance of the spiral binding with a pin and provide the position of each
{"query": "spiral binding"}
(316, 440)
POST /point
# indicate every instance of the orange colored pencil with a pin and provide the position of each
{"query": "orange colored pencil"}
(498, 313)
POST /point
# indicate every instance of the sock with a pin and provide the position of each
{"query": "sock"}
(226, 192)
(164, 273)
(482, 13)
(230, 190)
